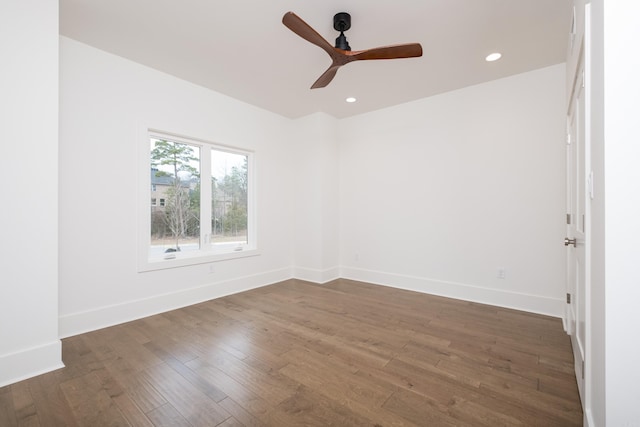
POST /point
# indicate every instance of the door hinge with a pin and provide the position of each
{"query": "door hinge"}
(568, 298)
(568, 219)
(583, 369)
(583, 79)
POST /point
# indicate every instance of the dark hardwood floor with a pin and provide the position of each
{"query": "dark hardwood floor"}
(299, 354)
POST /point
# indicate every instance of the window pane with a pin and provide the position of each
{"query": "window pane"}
(175, 182)
(229, 180)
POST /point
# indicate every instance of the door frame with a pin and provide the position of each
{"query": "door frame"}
(581, 75)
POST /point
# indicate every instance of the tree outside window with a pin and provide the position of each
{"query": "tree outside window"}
(175, 173)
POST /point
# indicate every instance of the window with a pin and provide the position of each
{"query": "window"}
(205, 210)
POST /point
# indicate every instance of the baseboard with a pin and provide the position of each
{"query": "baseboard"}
(30, 362)
(315, 275)
(102, 317)
(588, 419)
(90, 320)
(531, 303)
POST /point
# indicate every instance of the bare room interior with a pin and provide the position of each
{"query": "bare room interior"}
(418, 235)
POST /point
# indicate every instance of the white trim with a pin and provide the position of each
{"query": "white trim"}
(531, 303)
(194, 258)
(315, 275)
(587, 419)
(102, 317)
(30, 362)
(207, 252)
(587, 372)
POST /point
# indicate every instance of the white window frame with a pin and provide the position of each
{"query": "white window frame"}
(207, 253)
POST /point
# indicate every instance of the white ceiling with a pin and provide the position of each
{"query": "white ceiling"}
(241, 48)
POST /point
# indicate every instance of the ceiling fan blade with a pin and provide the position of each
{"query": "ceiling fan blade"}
(304, 30)
(326, 77)
(410, 50)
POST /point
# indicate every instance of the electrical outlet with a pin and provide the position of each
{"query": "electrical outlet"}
(502, 273)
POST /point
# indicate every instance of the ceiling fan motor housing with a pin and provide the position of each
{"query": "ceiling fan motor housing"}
(342, 22)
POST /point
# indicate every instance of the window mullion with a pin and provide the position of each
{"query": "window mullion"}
(205, 198)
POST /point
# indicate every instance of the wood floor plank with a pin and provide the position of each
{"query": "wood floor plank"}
(167, 416)
(421, 410)
(231, 422)
(478, 415)
(310, 408)
(340, 384)
(52, 407)
(478, 374)
(7, 409)
(195, 406)
(90, 404)
(241, 414)
(131, 412)
(123, 376)
(561, 410)
(196, 380)
(294, 353)
(362, 395)
(254, 404)
(25, 408)
(274, 387)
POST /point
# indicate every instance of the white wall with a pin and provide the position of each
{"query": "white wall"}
(29, 341)
(315, 198)
(105, 102)
(618, 118)
(438, 194)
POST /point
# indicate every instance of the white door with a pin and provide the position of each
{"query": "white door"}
(578, 198)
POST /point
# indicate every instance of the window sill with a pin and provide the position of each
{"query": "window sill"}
(194, 258)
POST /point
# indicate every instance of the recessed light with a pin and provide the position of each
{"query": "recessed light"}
(493, 57)
(350, 99)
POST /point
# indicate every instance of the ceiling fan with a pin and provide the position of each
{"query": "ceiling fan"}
(341, 54)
